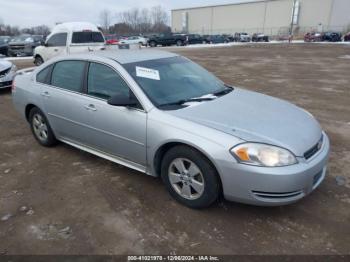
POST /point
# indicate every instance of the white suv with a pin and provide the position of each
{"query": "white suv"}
(70, 38)
(134, 40)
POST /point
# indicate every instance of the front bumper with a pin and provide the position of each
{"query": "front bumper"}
(6, 81)
(265, 186)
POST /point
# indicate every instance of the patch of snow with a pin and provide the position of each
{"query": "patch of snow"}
(344, 57)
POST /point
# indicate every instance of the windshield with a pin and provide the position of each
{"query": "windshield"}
(87, 37)
(170, 80)
(22, 38)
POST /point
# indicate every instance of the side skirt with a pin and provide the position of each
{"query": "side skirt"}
(107, 156)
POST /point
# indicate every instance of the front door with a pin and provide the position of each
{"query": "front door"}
(55, 46)
(120, 131)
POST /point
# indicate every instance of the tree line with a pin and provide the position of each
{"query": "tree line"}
(136, 21)
(132, 21)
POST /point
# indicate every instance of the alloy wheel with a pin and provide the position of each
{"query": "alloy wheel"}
(186, 178)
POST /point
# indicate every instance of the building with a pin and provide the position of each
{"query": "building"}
(272, 17)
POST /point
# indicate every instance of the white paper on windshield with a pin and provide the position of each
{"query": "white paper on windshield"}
(147, 73)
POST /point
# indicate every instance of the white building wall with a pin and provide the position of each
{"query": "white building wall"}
(271, 17)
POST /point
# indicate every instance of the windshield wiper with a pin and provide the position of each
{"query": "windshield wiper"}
(184, 101)
(225, 91)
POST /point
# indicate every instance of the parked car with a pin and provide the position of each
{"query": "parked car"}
(67, 38)
(24, 45)
(347, 37)
(313, 37)
(258, 37)
(134, 40)
(167, 39)
(4, 44)
(7, 73)
(332, 37)
(111, 39)
(193, 39)
(161, 114)
(242, 37)
(216, 39)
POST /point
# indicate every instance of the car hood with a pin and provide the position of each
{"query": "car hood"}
(256, 117)
(4, 65)
(19, 43)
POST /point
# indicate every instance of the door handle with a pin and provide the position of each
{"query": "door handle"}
(56, 50)
(45, 94)
(90, 107)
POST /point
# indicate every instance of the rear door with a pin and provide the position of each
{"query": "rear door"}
(64, 103)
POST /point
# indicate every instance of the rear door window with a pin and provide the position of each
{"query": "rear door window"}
(68, 75)
(87, 37)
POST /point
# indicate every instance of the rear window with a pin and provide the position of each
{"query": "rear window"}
(87, 37)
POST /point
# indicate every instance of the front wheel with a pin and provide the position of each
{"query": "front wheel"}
(179, 43)
(41, 128)
(190, 177)
(38, 61)
(152, 44)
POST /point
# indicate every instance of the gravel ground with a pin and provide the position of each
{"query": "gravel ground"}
(64, 201)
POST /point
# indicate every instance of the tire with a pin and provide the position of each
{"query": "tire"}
(152, 44)
(38, 60)
(41, 128)
(198, 188)
(179, 43)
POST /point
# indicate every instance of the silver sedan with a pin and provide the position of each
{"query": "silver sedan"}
(162, 114)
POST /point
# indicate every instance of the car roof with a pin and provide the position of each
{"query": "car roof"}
(126, 56)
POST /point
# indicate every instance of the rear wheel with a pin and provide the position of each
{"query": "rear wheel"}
(189, 177)
(152, 44)
(41, 128)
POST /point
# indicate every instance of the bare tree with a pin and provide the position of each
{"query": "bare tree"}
(105, 19)
(143, 21)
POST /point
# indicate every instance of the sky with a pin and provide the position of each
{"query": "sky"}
(28, 13)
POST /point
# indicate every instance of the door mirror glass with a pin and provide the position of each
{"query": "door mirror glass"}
(121, 99)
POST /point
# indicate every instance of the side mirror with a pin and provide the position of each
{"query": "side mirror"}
(46, 44)
(121, 99)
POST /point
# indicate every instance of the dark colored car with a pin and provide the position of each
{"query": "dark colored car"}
(215, 39)
(194, 39)
(167, 39)
(24, 44)
(332, 37)
(313, 37)
(4, 43)
(111, 39)
(258, 37)
(347, 37)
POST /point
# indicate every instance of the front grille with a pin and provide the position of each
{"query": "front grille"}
(273, 195)
(313, 150)
(17, 47)
(5, 72)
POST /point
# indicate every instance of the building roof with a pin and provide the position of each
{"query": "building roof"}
(128, 56)
(218, 5)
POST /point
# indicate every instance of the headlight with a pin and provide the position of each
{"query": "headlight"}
(263, 155)
(13, 68)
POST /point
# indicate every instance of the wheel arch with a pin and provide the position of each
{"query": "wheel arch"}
(161, 151)
(27, 110)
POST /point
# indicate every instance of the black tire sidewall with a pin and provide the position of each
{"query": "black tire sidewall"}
(211, 180)
(51, 140)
